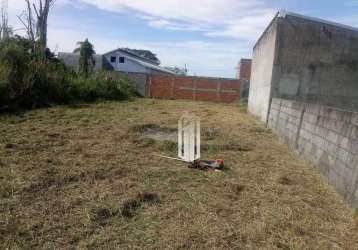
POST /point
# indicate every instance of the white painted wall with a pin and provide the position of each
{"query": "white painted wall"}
(261, 74)
(128, 65)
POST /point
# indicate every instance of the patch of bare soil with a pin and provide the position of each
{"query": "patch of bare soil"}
(156, 132)
(84, 177)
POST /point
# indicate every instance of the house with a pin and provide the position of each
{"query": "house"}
(127, 61)
(124, 61)
(121, 60)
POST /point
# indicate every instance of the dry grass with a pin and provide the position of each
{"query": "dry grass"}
(84, 178)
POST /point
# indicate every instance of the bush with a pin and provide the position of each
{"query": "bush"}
(100, 86)
(27, 83)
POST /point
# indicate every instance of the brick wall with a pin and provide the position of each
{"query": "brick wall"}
(244, 69)
(326, 136)
(194, 88)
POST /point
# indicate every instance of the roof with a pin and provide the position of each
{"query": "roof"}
(285, 13)
(132, 54)
(141, 60)
(149, 65)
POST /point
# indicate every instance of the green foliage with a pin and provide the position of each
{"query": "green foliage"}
(86, 61)
(100, 86)
(26, 82)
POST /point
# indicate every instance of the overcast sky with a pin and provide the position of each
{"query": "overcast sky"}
(209, 36)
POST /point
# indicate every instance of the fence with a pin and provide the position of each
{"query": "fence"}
(193, 88)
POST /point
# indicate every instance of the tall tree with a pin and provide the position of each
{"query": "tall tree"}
(86, 60)
(37, 28)
(5, 30)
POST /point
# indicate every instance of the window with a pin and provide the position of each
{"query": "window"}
(120, 59)
(113, 59)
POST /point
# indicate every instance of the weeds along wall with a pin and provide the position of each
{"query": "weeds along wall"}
(193, 88)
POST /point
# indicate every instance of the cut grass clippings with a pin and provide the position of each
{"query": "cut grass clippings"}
(85, 177)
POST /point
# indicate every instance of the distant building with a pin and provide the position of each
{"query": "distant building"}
(121, 60)
(244, 74)
(244, 69)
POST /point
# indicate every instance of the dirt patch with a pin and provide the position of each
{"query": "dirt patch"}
(156, 132)
(10, 146)
(238, 188)
(101, 215)
(284, 180)
(130, 207)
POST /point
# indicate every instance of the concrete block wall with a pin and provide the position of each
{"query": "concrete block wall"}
(316, 62)
(326, 136)
(193, 88)
(262, 73)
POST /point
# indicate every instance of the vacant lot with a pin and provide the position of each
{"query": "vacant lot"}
(85, 177)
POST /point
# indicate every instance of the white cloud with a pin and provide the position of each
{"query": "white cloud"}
(173, 25)
(199, 10)
(234, 18)
(249, 27)
(201, 57)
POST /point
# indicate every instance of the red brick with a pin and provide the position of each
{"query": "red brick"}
(244, 69)
(179, 87)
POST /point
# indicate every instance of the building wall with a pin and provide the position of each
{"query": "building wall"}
(316, 62)
(308, 89)
(193, 88)
(326, 136)
(261, 73)
(127, 66)
(72, 60)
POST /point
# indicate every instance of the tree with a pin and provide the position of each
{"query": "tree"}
(37, 29)
(178, 71)
(146, 54)
(86, 61)
(5, 30)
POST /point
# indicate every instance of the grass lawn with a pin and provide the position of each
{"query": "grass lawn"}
(85, 177)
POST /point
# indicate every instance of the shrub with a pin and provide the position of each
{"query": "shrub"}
(27, 83)
(100, 87)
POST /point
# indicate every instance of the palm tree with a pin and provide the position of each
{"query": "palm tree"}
(86, 61)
